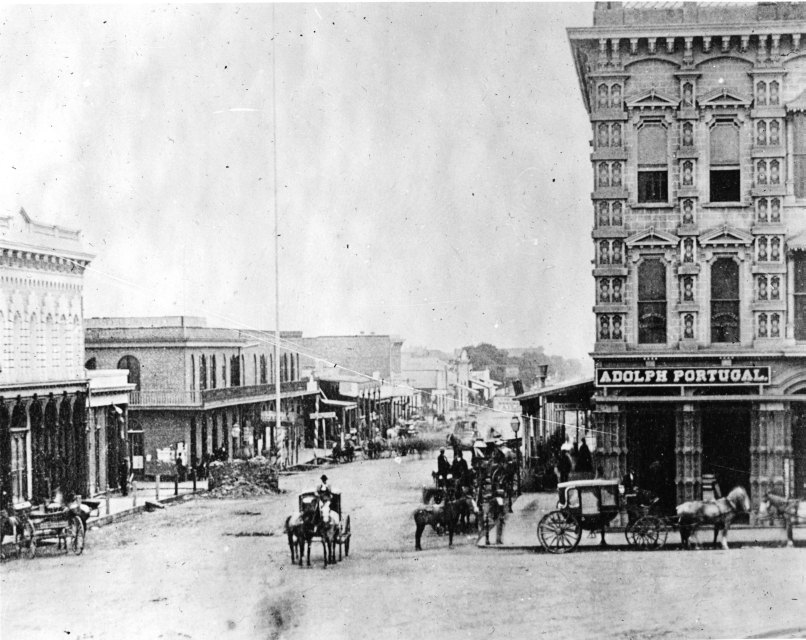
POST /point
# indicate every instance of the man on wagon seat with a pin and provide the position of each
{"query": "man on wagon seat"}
(459, 469)
(323, 490)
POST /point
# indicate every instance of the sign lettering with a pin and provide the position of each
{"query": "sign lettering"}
(682, 376)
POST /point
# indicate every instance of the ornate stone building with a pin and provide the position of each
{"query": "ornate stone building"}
(698, 121)
(47, 435)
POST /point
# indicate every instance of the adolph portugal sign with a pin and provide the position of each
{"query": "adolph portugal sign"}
(688, 376)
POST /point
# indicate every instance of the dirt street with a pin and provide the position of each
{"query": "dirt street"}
(219, 569)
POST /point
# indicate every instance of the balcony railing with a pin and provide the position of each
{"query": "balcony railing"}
(199, 398)
(166, 398)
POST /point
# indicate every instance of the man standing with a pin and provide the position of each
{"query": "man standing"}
(459, 469)
(443, 467)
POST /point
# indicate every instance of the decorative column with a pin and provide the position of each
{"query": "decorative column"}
(612, 453)
(770, 450)
(688, 51)
(790, 158)
(602, 52)
(688, 453)
(615, 53)
(790, 296)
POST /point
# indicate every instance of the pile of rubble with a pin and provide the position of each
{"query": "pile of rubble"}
(237, 479)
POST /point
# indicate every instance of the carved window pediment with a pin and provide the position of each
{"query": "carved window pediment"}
(726, 237)
(652, 238)
(724, 98)
(652, 99)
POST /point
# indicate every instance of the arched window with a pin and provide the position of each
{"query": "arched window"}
(192, 372)
(725, 301)
(293, 367)
(133, 365)
(91, 364)
(254, 358)
(213, 373)
(651, 302)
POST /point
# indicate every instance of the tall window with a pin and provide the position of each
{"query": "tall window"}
(725, 301)
(212, 372)
(725, 174)
(651, 302)
(800, 295)
(799, 152)
(202, 372)
(133, 365)
(653, 174)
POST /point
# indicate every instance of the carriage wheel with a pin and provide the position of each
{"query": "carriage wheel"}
(646, 533)
(347, 537)
(559, 532)
(77, 536)
(26, 540)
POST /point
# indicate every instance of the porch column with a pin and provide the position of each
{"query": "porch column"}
(688, 453)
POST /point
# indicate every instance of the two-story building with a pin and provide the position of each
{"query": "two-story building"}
(698, 122)
(50, 433)
(199, 389)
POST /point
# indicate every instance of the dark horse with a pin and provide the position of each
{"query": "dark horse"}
(445, 515)
(719, 513)
(792, 510)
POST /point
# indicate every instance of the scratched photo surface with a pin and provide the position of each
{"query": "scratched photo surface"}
(422, 230)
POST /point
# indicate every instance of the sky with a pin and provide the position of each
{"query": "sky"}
(432, 162)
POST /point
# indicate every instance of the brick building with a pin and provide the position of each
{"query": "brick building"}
(48, 438)
(698, 116)
(195, 384)
(371, 355)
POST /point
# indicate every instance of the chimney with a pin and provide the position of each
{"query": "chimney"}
(542, 374)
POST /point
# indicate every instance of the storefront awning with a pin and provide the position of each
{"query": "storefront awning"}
(339, 403)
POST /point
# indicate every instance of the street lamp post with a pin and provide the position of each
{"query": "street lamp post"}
(515, 424)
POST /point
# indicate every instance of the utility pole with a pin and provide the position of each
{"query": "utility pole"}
(277, 386)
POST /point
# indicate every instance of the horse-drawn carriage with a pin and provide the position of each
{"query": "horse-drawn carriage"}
(495, 467)
(323, 519)
(591, 505)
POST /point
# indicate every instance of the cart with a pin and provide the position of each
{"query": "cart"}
(345, 532)
(583, 504)
(61, 525)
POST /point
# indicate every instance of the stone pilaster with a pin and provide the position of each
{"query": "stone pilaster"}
(688, 453)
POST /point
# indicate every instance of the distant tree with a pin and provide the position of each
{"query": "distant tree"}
(488, 356)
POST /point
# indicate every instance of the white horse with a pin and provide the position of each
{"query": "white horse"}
(719, 513)
(792, 510)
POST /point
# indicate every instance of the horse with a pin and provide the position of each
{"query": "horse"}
(445, 515)
(790, 509)
(719, 513)
(329, 529)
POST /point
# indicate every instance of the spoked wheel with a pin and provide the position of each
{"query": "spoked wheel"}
(559, 532)
(646, 533)
(347, 536)
(77, 536)
(25, 540)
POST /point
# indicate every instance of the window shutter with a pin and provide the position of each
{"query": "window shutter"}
(725, 144)
(652, 145)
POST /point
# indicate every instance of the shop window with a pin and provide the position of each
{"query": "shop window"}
(651, 302)
(653, 175)
(725, 301)
(725, 173)
(133, 365)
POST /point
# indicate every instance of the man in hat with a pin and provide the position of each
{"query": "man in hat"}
(323, 490)
(443, 467)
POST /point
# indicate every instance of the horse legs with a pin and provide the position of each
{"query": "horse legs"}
(325, 546)
(790, 542)
(291, 544)
(417, 536)
(310, 542)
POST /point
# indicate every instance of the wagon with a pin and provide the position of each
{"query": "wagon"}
(345, 532)
(61, 525)
(589, 505)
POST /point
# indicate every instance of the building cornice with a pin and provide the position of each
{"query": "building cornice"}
(687, 30)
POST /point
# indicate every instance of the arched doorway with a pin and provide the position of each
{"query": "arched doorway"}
(133, 365)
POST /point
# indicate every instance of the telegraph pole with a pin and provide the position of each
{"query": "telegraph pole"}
(277, 391)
